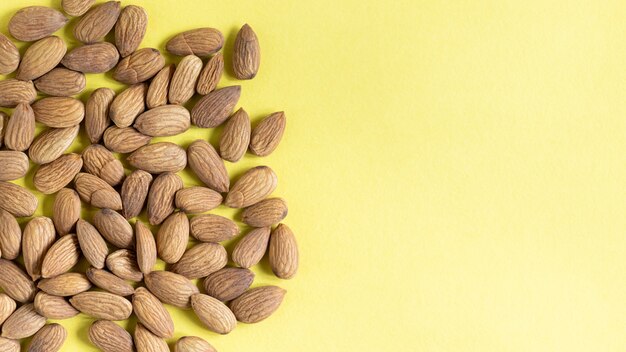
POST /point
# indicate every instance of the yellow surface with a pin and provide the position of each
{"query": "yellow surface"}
(455, 171)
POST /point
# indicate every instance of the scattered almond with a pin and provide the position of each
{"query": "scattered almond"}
(53, 307)
(130, 29)
(51, 177)
(228, 283)
(59, 112)
(139, 66)
(114, 228)
(14, 92)
(102, 305)
(20, 130)
(110, 337)
(183, 83)
(214, 314)
(14, 165)
(96, 192)
(99, 161)
(91, 244)
(9, 55)
(10, 235)
(76, 7)
(163, 121)
(64, 285)
(171, 288)
(235, 136)
(124, 140)
(159, 157)
(97, 22)
(134, 193)
(15, 282)
(172, 237)
(97, 113)
(161, 197)
(257, 304)
(199, 42)
(152, 314)
(159, 87)
(61, 82)
(17, 200)
(65, 210)
(251, 249)
(195, 200)
(128, 105)
(193, 344)
(62, 256)
(265, 213)
(35, 22)
(7, 307)
(283, 252)
(123, 263)
(147, 341)
(24, 322)
(256, 184)
(201, 260)
(214, 108)
(210, 74)
(208, 166)
(109, 282)
(52, 143)
(246, 54)
(212, 228)
(146, 248)
(267, 134)
(40, 58)
(92, 58)
(50, 338)
(39, 235)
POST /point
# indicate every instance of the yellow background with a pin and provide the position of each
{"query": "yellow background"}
(455, 170)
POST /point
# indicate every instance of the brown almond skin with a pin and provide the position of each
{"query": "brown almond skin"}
(76, 7)
(246, 54)
(62, 256)
(64, 285)
(51, 177)
(183, 83)
(65, 210)
(40, 58)
(193, 344)
(235, 136)
(163, 121)
(210, 75)
(110, 337)
(265, 213)
(139, 66)
(255, 185)
(53, 307)
(24, 322)
(35, 22)
(14, 92)
(97, 22)
(159, 87)
(146, 248)
(17, 200)
(9, 345)
(215, 315)
(39, 235)
(152, 314)
(124, 140)
(228, 283)
(172, 237)
(201, 260)
(61, 82)
(171, 288)
(267, 134)
(130, 29)
(158, 158)
(92, 58)
(92, 245)
(102, 305)
(128, 105)
(7, 307)
(101, 162)
(15, 282)
(52, 143)
(59, 112)
(134, 193)
(109, 282)
(195, 200)
(14, 165)
(212, 228)
(257, 304)
(97, 113)
(214, 108)
(114, 228)
(10, 235)
(96, 192)
(283, 252)
(199, 42)
(123, 263)
(147, 341)
(9, 55)
(207, 165)
(50, 338)
(161, 197)
(20, 129)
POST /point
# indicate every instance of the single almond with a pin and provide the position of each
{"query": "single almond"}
(20, 129)
(171, 288)
(159, 157)
(254, 186)
(7, 307)
(214, 108)
(62, 256)
(41, 57)
(195, 200)
(109, 282)
(61, 82)
(212, 228)
(17, 200)
(9, 55)
(50, 338)
(52, 143)
(10, 235)
(134, 193)
(99, 161)
(265, 213)
(215, 315)
(152, 314)
(172, 237)
(130, 29)
(159, 87)
(267, 134)
(13, 92)
(283, 252)
(251, 249)
(123, 263)
(9, 345)
(139, 66)
(59, 112)
(92, 245)
(114, 228)
(15, 282)
(92, 58)
(183, 83)
(14, 165)
(76, 7)
(193, 344)
(228, 283)
(110, 337)
(102, 305)
(97, 113)
(246, 54)
(161, 197)
(35, 22)
(201, 260)
(96, 192)
(39, 235)
(257, 304)
(97, 22)
(208, 166)
(199, 42)
(147, 341)
(163, 121)
(146, 248)
(24, 322)
(235, 136)
(64, 285)
(65, 210)
(53, 307)
(124, 140)
(51, 177)
(210, 75)
(128, 105)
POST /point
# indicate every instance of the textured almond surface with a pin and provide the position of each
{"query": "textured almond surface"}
(171, 288)
(214, 108)
(92, 245)
(123, 263)
(147, 341)
(24, 322)
(7, 307)
(15, 282)
(172, 237)
(283, 252)
(17, 200)
(14, 165)
(99, 161)
(109, 282)
(201, 260)
(114, 228)
(40, 58)
(52, 143)
(61, 256)
(97, 22)
(50, 338)
(9, 55)
(212, 228)
(124, 140)
(267, 134)
(68, 284)
(10, 235)
(65, 210)
(152, 314)
(208, 166)
(257, 304)
(51, 177)
(61, 82)
(20, 129)
(54, 307)
(130, 29)
(59, 112)
(163, 121)
(159, 157)
(228, 283)
(235, 136)
(13, 92)
(39, 235)
(9, 345)
(35, 22)
(102, 305)
(193, 344)
(110, 337)
(183, 83)
(199, 42)
(194, 200)
(256, 184)
(210, 75)
(96, 192)
(76, 7)
(139, 66)
(161, 197)
(246, 53)
(146, 248)
(265, 213)
(97, 113)
(134, 193)
(215, 315)
(92, 58)
(128, 105)
(159, 87)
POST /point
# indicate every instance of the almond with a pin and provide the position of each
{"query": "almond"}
(52, 143)
(128, 105)
(256, 184)
(49, 339)
(152, 314)
(265, 213)
(267, 134)
(65, 210)
(134, 193)
(76, 7)
(172, 237)
(100, 162)
(14, 165)
(163, 121)
(102, 305)
(41, 57)
(59, 112)
(214, 108)
(50, 178)
(235, 136)
(9, 345)
(7, 307)
(61, 82)
(68, 284)
(183, 83)
(92, 58)
(207, 165)
(124, 140)
(53, 307)
(35, 22)
(161, 197)
(15, 283)
(195, 200)
(114, 228)
(146, 248)
(96, 192)
(24, 322)
(214, 314)
(251, 249)
(147, 341)
(91, 244)
(38, 237)
(139, 66)
(199, 42)
(193, 344)
(109, 282)
(20, 130)
(201, 260)
(123, 263)
(210, 74)
(17, 200)
(283, 252)
(159, 157)
(130, 29)
(14, 92)
(9, 55)
(10, 235)
(257, 304)
(97, 22)
(171, 288)
(97, 113)
(228, 283)
(159, 87)
(110, 337)
(61, 257)
(212, 228)
(246, 54)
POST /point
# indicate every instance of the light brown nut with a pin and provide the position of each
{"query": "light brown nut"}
(171, 288)
(130, 29)
(246, 54)
(35, 22)
(40, 58)
(124, 140)
(50, 338)
(110, 337)
(97, 113)
(267, 134)
(208, 166)
(92, 58)
(114, 228)
(109, 282)
(76, 7)
(17, 200)
(61, 82)
(14, 92)
(251, 188)
(9, 55)
(64, 285)
(139, 66)
(159, 157)
(134, 193)
(172, 237)
(265, 213)
(215, 315)
(212, 228)
(20, 129)
(161, 197)
(257, 304)
(91, 243)
(39, 235)
(52, 143)
(62, 256)
(283, 252)
(97, 22)
(201, 260)
(193, 344)
(123, 263)
(15, 282)
(152, 314)
(65, 210)
(53, 307)
(146, 248)
(147, 341)
(128, 105)
(214, 108)
(195, 200)
(51, 177)
(183, 83)
(59, 112)
(14, 165)
(102, 305)
(159, 87)
(251, 249)
(10, 235)
(228, 283)
(235, 136)
(24, 322)
(210, 75)
(99, 161)
(199, 42)
(96, 192)
(9, 345)
(7, 307)
(163, 121)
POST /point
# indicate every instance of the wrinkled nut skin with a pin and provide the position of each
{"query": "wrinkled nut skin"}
(199, 42)
(246, 54)
(139, 66)
(97, 22)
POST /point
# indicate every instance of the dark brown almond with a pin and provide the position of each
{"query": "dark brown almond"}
(123, 263)
(109, 282)
(193, 344)
(40, 58)
(24, 322)
(59, 112)
(257, 304)
(152, 314)
(64, 285)
(215, 315)
(35, 22)
(163, 121)
(20, 129)
(283, 252)
(183, 83)
(62, 256)
(61, 82)
(9, 55)
(172, 237)
(114, 228)
(139, 66)
(210, 75)
(14, 92)
(265, 213)
(53, 307)
(102, 305)
(124, 140)
(195, 200)
(146, 248)
(159, 87)
(235, 136)
(161, 197)
(207, 165)
(199, 42)
(14, 165)
(228, 283)
(99, 161)
(17, 200)
(254, 186)
(128, 105)
(110, 337)
(97, 22)
(92, 245)
(212, 228)
(65, 210)
(214, 108)
(97, 113)
(134, 193)
(201, 260)
(130, 29)
(159, 157)
(15, 282)
(96, 192)
(50, 178)
(267, 134)
(76, 7)
(10, 235)
(52, 143)
(246, 54)
(50, 338)
(92, 58)
(171, 288)
(39, 235)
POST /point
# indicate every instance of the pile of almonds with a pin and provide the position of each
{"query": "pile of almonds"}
(120, 280)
